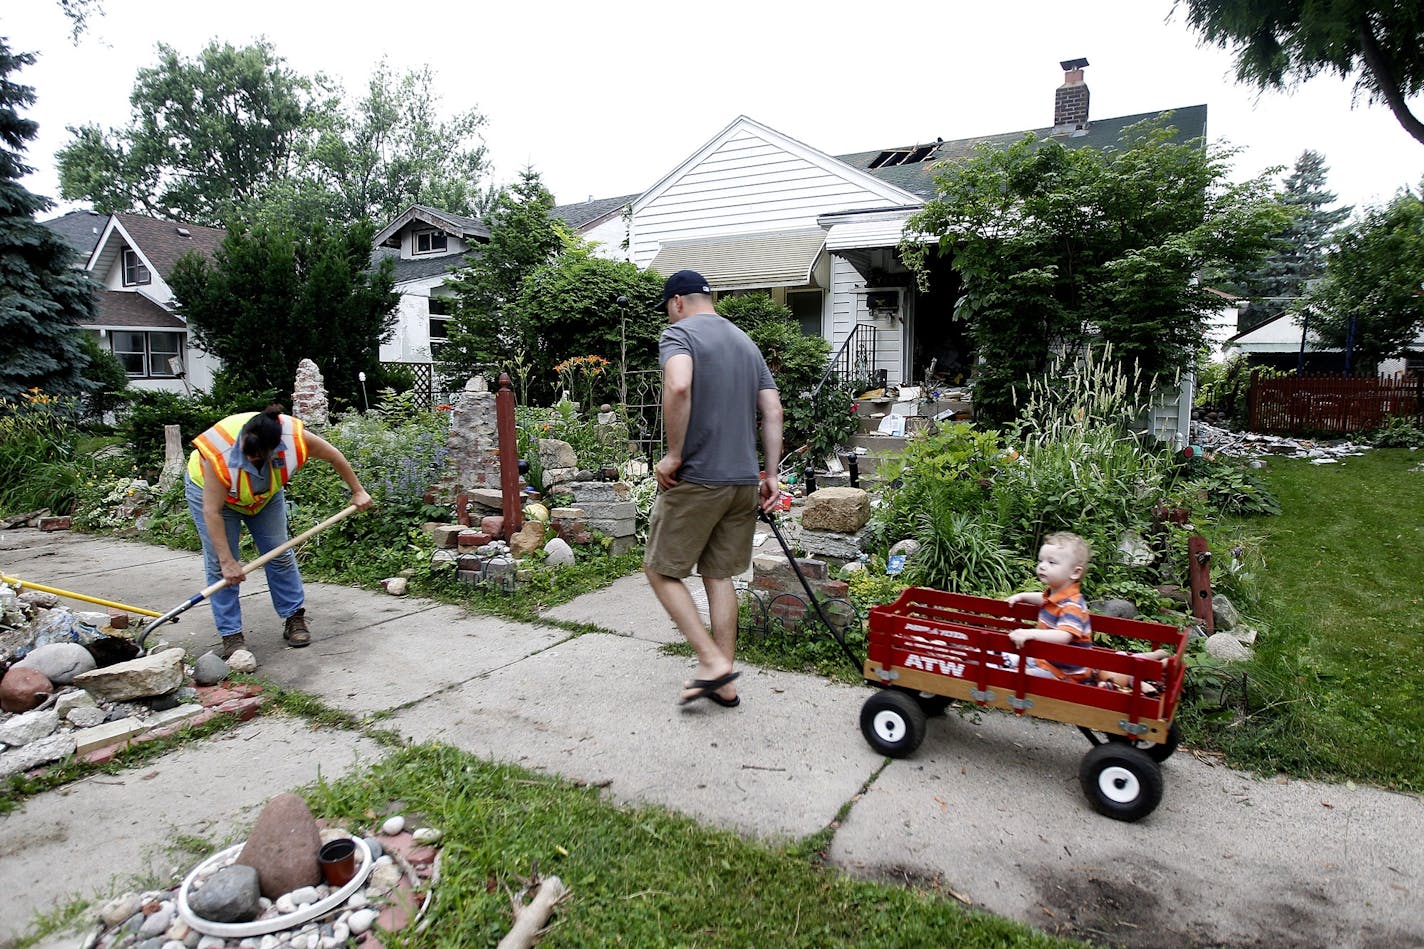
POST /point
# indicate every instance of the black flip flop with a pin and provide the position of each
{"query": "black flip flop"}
(706, 687)
(733, 702)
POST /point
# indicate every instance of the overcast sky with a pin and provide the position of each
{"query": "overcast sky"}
(604, 99)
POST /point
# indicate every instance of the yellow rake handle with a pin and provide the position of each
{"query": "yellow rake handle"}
(70, 595)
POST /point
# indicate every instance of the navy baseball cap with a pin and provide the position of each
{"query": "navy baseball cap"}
(681, 284)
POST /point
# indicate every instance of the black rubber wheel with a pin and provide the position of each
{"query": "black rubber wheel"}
(931, 704)
(1158, 751)
(893, 723)
(1120, 781)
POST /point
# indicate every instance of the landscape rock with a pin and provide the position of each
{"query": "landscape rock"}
(242, 661)
(86, 717)
(908, 547)
(231, 895)
(283, 847)
(119, 908)
(842, 510)
(558, 553)
(29, 727)
(1224, 614)
(71, 699)
(137, 678)
(59, 662)
(1226, 647)
(556, 453)
(1114, 606)
(210, 669)
(529, 539)
(55, 747)
(23, 689)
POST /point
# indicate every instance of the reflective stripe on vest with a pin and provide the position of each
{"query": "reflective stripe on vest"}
(218, 445)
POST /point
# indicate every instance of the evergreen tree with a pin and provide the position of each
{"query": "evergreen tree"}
(42, 297)
(1287, 274)
(275, 295)
(484, 330)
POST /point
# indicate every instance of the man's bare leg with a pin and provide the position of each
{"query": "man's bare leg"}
(712, 662)
(722, 609)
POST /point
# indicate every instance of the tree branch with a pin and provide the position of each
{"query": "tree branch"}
(1386, 84)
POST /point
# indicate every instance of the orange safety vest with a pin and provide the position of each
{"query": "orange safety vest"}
(219, 446)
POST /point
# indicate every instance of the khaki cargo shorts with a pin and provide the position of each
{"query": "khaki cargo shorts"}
(706, 525)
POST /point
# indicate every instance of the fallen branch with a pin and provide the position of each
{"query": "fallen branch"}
(530, 918)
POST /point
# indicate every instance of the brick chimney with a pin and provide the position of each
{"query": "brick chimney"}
(1070, 101)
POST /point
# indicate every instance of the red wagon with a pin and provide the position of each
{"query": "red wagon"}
(930, 647)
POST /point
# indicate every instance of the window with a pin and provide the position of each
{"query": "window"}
(146, 355)
(135, 273)
(806, 307)
(439, 323)
(903, 156)
(430, 242)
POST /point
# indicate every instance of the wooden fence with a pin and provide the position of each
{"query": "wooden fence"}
(1332, 404)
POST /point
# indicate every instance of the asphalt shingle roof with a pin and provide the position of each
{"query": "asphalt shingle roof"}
(586, 212)
(126, 308)
(80, 229)
(918, 178)
(163, 242)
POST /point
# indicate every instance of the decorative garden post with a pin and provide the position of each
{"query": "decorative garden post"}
(513, 504)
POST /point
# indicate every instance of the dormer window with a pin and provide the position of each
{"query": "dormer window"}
(135, 273)
(430, 242)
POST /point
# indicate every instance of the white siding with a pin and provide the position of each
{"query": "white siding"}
(610, 237)
(411, 342)
(746, 184)
(848, 309)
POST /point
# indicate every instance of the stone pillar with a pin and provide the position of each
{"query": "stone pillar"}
(309, 397)
(473, 440)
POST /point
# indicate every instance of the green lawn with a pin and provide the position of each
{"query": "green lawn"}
(1335, 688)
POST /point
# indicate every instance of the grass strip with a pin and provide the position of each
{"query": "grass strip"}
(641, 876)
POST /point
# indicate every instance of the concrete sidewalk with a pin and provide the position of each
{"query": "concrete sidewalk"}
(990, 803)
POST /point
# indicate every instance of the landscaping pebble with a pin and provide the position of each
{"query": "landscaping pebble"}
(393, 825)
(210, 669)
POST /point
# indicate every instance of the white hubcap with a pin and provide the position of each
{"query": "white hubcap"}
(889, 726)
(1119, 785)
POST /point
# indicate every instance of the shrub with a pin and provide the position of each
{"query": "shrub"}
(1398, 431)
(40, 457)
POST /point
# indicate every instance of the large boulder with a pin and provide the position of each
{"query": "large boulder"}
(60, 662)
(283, 847)
(843, 510)
(136, 679)
(23, 689)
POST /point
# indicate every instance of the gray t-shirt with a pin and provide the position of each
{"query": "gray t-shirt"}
(728, 372)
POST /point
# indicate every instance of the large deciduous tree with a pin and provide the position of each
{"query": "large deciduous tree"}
(392, 149)
(1060, 248)
(206, 136)
(1300, 258)
(43, 297)
(273, 296)
(483, 330)
(1372, 298)
(1378, 42)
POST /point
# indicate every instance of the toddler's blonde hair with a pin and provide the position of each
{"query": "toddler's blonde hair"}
(1076, 546)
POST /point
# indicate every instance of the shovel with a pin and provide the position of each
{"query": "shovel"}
(272, 554)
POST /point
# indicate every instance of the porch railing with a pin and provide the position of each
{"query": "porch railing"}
(855, 359)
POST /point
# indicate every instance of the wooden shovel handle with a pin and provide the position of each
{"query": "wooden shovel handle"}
(281, 549)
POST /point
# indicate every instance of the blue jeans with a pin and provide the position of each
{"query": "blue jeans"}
(268, 528)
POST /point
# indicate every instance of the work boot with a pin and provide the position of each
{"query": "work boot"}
(296, 634)
(230, 645)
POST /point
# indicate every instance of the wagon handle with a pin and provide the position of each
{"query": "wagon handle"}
(810, 594)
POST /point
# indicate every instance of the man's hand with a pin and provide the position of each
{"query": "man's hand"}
(233, 573)
(362, 500)
(769, 494)
(666, 471)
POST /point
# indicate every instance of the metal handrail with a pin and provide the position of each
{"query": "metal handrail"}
(841, 360)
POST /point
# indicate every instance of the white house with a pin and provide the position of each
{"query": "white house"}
(427, 245)
(1285, 342)
(755, 209)
(131, 258)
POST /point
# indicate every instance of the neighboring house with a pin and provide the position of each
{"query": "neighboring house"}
(427, 246)
(602, 222)
(1280, 342)
(131, 258)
